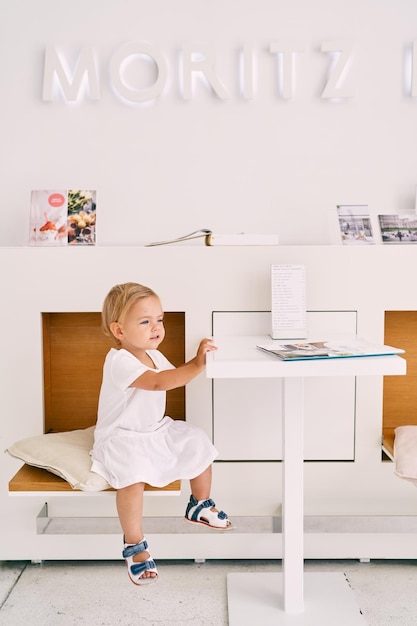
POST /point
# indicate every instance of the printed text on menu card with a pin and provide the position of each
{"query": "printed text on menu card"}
(289, 316)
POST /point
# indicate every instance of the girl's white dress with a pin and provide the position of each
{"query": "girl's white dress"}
(134, 441)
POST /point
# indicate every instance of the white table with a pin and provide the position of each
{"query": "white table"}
(292, 598)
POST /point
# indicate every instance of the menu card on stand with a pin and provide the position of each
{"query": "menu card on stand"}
(289, 315)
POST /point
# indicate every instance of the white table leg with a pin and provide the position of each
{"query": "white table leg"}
(278, 599)
(293, 496)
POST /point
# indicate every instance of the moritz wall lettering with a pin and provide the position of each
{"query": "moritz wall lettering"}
(196, 62)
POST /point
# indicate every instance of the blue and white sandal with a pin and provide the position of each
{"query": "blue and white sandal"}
(199, 512)
(136, 569)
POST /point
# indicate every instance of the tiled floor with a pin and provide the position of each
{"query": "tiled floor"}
(99, 593)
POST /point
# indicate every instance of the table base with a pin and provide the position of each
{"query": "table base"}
(255, 598)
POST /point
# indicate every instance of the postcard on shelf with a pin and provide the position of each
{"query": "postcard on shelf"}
(301, 351)
(355, 224)
(398, 228)
(62, 217)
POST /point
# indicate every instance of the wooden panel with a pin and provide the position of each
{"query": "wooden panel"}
(74, 347)
(388, 440)
(34, 479)
(400, 392)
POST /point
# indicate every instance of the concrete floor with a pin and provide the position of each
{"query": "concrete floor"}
(99, 593)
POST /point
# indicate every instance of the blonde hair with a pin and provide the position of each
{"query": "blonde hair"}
(118, 302)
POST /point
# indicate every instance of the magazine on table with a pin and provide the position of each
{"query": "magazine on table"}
(299, 351)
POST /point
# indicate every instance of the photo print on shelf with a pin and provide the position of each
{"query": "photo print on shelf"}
(355, 224)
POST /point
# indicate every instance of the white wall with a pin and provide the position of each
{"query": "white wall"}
(167, 167)
(170, 166)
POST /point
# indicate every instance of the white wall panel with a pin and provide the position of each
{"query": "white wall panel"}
(247, 415)
(199, 280)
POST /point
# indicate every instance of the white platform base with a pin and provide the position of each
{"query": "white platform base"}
(256, 598)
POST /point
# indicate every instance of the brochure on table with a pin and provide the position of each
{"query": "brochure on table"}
(301, 351)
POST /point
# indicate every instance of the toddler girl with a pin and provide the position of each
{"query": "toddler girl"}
(135, 442)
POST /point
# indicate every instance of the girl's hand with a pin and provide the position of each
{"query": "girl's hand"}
(165, 380)
(206, 345)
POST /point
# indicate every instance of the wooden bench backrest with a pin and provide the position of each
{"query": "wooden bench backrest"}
(74, 348)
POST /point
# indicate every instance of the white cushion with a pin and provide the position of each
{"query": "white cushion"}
(405, 453)
(65, 454)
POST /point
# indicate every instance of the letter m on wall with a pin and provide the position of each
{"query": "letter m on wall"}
(84, 75)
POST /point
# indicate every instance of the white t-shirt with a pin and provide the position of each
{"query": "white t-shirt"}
(134, 440)
(124, 408)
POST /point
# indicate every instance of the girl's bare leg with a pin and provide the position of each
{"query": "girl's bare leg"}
(201, 485)
(129, 501)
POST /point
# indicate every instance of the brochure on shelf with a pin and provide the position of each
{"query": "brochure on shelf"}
(62, 217)
(299, 351)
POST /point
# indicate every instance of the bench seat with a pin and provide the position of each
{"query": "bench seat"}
(31, 479)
